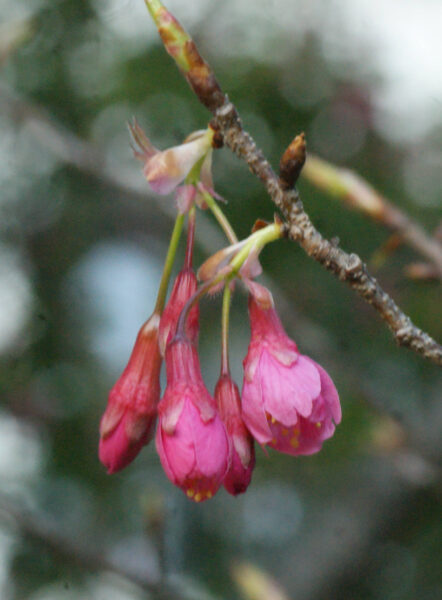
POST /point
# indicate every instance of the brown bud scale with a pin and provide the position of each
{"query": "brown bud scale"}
(292, 162)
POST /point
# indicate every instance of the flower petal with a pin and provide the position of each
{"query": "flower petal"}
(165, 170)
(288, 391)
(253, 412)
(211, 446)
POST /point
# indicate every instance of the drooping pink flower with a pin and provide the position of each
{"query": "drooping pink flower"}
(184, 287)
(242, 451)
(191, 439)
(129, 419)
(165, 170)
(289, 402)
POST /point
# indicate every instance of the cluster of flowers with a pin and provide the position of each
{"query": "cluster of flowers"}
(288, 402)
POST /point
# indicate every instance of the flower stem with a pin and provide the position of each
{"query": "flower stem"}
(256, 242)
(203, 289)
(167, 269)
(225, 368)
(220, 217)
(190, 238)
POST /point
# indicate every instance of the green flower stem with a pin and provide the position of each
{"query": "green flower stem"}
(220, 217)
(168, 264)
(225, 368)
(256, 242)
(193, 176)
(190, 238)
(200, 292)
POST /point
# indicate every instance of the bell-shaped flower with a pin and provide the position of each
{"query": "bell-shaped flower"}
(289, 402)
(165, 170)
(191, 439)
(184, 287)
(129, 420)
(242, 451)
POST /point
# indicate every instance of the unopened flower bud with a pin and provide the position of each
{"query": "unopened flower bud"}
(242, 451)
(129, 419)
(191, 439)
(183, 50)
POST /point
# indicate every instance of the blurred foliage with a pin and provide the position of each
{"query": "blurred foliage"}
(79, 265)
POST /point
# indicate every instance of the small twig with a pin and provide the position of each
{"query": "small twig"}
(421, 271)
(358, 193)
(83, 156)
(347, 267)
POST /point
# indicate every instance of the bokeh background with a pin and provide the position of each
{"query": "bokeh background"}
(82, 240)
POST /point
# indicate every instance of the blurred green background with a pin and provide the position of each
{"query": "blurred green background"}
(82, 240)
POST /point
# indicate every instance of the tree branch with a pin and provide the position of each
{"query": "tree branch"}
(357, 193)
(347, 267)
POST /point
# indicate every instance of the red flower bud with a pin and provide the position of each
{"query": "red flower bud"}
(191, 439)
(129, 419)
(242, 451)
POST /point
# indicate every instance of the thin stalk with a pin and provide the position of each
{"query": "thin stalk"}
(203, 289)
(258, 239)
(168, 264)
(190, 238)
(227, 296)
(220, 217)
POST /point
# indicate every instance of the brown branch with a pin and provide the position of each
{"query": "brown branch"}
(347, 267)
(358, 193)
(88, 159)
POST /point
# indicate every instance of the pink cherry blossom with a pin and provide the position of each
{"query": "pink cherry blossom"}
(289, 402)
(242, 451)
(183, 288)
(165, 170)
(191, 439)
(129, 419)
